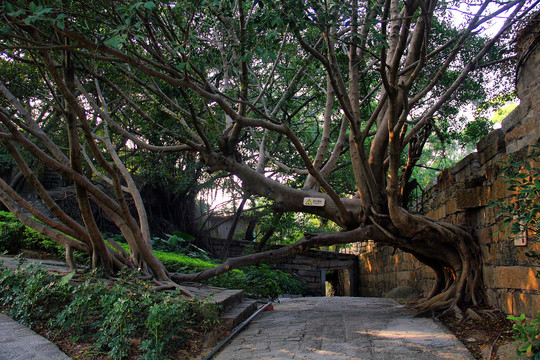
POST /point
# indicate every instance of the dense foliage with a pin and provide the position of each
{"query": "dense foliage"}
(112, 316)
(522, 213)
(15, 236)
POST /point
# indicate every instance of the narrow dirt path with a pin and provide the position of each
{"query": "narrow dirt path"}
(343, 328)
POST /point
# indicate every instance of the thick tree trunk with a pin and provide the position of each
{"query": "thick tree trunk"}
(452, 253)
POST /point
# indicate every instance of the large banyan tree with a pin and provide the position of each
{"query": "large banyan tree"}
(281, 94)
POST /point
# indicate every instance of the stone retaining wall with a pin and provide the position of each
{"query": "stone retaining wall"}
(461, 195)
(310, 268)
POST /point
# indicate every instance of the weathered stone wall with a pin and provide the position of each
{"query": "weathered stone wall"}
(310, 267)
(382, 268)
(461, 195)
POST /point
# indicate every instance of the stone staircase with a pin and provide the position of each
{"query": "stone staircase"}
(234, 308)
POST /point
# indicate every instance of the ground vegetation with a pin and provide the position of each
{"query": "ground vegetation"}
(296, 99)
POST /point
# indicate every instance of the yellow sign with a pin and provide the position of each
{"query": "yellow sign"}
(310, 201)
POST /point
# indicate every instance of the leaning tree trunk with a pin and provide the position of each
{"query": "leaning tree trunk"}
(452, 253)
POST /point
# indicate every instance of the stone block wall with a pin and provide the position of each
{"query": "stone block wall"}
(461, 195)
(310, 267)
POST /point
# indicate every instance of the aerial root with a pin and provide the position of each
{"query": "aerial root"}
(170, 285)
(491, 313)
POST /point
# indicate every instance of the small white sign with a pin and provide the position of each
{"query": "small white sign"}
(310, 201)
(521, 240)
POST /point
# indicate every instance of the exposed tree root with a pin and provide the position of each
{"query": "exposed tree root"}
(452, 253)
(170, 285)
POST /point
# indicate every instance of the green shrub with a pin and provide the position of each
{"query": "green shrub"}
(22, 237)
(257, 281)
(528, 335)
(6, 216)
(176, 262)
(111, 315)
(15, 236)
(31, 294)
(260, 282)
(522, 212)
(11, 237)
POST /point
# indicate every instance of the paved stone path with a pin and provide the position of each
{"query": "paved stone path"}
(336, 328)
(329, 328)
(17, 342)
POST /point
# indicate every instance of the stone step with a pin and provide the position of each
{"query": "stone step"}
(227, 299)
(237, 314)
(230, 319)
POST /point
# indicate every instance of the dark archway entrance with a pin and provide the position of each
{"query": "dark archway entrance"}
(338, 282)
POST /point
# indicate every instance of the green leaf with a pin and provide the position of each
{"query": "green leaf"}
(150, 5)
(16, 13)
(9, 6)
(29, 20)
(529, 350)
(114, 42)
(66, 278)
(44, 11)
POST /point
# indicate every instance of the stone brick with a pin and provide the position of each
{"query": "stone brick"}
(307, 273)
(525, 75)
(460, 218)
(438, 213)
(528, 126)
(500, 232)
(498, 189)
(511, 277)
(526, 303)
(522, 251)
(487, 259)
(444, 180)
(505, 301)
(299, 267)
(505, 253)
(471, 198)
(472, 169)
(405, 277)
(492, 298)
(490, 146)
(514, 118)
(451, 207)
(484, 235)
(467, 162)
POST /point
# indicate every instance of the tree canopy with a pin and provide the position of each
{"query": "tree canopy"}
(297, 99)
